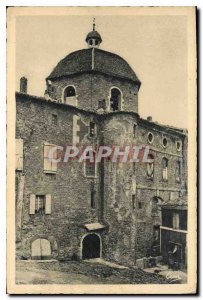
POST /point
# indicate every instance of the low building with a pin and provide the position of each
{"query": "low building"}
(174, 233)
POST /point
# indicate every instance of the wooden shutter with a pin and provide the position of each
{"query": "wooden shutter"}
(32, 204)
(48, 204)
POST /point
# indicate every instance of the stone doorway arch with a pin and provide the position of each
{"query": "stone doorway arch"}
(91, 246)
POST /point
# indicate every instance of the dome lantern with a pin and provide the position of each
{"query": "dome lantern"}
(93, 38)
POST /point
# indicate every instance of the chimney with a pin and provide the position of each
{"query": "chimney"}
(149, 119)
(23, 85)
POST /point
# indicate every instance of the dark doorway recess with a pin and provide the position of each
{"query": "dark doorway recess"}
(91, 246)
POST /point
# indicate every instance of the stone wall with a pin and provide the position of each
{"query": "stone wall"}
(129, 227)
(90, 88)
(69, 188)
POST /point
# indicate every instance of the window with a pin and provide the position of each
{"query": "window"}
(19, 154)
(139, 205)
(92, 129)
(115, 100)
(70, 96)
(133, 201)
(176, 220)
(178, 145)
(93, 202)
(167, 218)
(165, 142)
(177, 171)
(54, 119)
(155, 208)
(134, 130)
(40, 204)
(49, 165)
(134, 167)
(150, 137)
(90, 167)
(183, 220)
(165, 169)
(150, 167)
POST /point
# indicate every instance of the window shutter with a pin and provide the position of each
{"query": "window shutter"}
(48, 204)
(32, 204)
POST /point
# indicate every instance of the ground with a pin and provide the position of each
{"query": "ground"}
(84, 272)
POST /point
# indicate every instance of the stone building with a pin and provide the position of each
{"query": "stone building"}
(77, 210)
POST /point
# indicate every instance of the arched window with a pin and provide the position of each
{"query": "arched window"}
(165, 169)
(115, 100)
(90, 164)
(150, 166)
(70, 96)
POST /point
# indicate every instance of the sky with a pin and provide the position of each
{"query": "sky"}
(154, 46)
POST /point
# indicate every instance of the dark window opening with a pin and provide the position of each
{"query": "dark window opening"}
(96, 42)
(139, 205)
(178, 145)
(115, 100)
(40, 204)
(92, 129)
(133, 201)
(54, 119)
(91, 42)
(165, 142)
(150, 137)
(183, 220)
(69, 92)
(134, 130)
(167, 218)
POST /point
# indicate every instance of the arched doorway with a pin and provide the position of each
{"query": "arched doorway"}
(91, 246)
(41, 249)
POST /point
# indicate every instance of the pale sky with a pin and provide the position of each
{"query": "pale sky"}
(154, 46)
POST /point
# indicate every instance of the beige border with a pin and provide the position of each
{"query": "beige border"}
(190, 287)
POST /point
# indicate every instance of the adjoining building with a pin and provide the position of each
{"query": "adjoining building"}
(77, 210)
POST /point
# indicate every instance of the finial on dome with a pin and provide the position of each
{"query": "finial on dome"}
(93, 38)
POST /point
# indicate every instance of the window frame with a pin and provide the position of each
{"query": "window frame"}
(165, 169)
(53, 170)
(150, 133)
(95, 167)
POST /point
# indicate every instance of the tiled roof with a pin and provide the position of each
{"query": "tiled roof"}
(104, 62)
